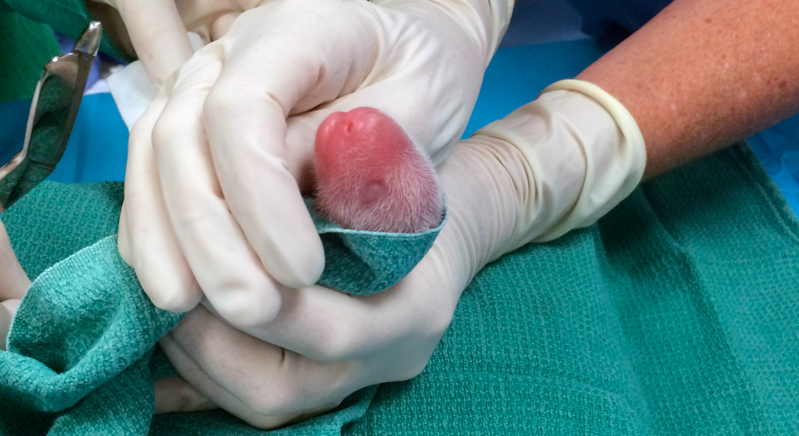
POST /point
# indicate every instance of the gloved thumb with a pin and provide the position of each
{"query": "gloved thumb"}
(157, 34)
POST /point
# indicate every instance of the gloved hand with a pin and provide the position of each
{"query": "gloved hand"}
(13, 284)
(157, 29)
(557, 163)
(218, 161)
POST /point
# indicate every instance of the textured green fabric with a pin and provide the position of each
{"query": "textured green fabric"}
(678, 313)
(360, 262)
(70, 348)
(357, 262)
(26, 47)
(83, 337)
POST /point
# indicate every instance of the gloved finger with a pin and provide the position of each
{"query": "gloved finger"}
(13, 279)
(245, 117)
(228, 271)
(227, 400)
(158, 35)
(330, 326)
(247, 136)
(146, 239)
(173, 394)
(264, 385)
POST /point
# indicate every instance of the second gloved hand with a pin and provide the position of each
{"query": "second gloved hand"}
(155, 31)
(557, 163)
(219, 160)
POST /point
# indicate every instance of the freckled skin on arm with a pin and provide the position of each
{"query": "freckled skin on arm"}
(370, 176)
(705, 73)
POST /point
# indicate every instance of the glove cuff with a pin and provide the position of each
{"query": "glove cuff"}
(624, 120)
(607, 182)
(582, 154)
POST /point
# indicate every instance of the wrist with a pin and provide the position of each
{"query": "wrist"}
(481, 196)
(582, 154)
(612, 144)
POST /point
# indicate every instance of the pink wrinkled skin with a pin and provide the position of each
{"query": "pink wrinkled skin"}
(370, 176)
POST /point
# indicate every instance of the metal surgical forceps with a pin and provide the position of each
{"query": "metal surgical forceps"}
(53, 110)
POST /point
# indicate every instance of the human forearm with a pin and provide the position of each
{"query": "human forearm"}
(555, 164)
(703, 74)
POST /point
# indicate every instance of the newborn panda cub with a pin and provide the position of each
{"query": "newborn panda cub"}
(370, 176)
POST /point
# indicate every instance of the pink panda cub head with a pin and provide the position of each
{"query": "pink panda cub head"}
(370, 176)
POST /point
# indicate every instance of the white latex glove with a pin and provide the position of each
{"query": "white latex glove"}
(552, 165)
(158, 29)
(218, 161)
(13, 284)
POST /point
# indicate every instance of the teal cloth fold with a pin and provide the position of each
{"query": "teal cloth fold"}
(67, 342)
(84, 335)
(678, 313)
(361, 262)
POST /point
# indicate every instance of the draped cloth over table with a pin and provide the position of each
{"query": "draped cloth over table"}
(678, 313)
